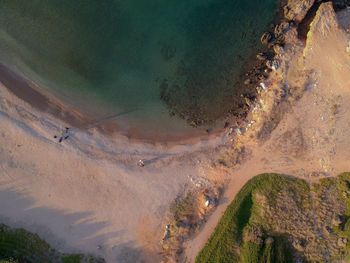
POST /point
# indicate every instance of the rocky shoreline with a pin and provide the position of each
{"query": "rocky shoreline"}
(237, 102)
(274, 96)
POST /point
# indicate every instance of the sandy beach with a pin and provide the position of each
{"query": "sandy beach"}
(87, 194)
(311, 139)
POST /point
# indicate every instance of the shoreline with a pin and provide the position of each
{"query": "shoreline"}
(45, 102)
(235, 112)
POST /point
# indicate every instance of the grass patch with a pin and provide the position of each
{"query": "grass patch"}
(275, 218)
(227, 243)
(19, 245)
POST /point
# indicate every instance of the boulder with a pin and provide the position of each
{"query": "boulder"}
(336, 221)
(296, 10)
(247, 82)
(278, 49)
(281, 28)
(269, 240)
(266, 38)
(261, 56)
(273, 64)
(342, 241)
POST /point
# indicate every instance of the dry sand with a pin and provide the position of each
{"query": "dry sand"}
(87, 192)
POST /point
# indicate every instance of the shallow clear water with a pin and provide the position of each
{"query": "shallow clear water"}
(116, 56)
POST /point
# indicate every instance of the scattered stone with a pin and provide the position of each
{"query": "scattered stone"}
(342, 241)
(296, 10)
(337, 220)
(273, 64)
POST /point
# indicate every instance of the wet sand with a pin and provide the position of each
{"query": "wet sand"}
(40, 99)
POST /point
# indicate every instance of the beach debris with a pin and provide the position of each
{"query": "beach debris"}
(207, 203)
(140, 163)
(167, 227)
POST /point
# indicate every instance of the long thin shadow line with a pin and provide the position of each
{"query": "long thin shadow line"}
(97, 121)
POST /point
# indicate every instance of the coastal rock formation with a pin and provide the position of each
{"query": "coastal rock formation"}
(296, 10)
(323, 24)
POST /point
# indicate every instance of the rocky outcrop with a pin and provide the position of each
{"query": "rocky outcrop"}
(295, 10)
(324, 23)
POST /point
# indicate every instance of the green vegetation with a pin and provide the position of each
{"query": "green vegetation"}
(278, 218)
(19, 245)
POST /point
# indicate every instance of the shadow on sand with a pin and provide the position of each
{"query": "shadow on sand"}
(67, 232)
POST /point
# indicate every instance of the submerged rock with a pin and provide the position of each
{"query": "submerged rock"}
(266, 38)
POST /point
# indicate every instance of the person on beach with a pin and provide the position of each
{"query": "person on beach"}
(64, 136)
(140, 164)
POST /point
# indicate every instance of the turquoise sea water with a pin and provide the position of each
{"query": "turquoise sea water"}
(112, 56)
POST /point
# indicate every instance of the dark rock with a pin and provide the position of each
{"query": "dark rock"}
(266, 38)
(296, 10)
(281, 28)
(340, 4)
